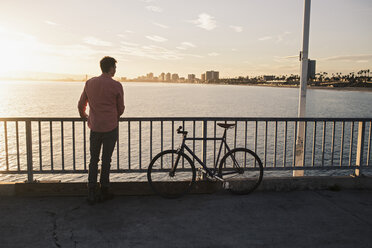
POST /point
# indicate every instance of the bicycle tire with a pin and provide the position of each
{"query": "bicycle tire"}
(252, 173)
(160, 180)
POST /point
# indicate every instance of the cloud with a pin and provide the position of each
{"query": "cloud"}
(50, 23)
(237, 29)
(156, 38)
(126, 34)
(348, 58)
(234, 49)
(362, 61)
(154, 8)
(282, 36)
(70, 50)
(152, 52)
(265, 38)
(96, 42)
(160, 25)
(279, 37)
(292, 59)
(129, 43)
(189, 44)
(287, 57)
(184, 45)
(214, 54)
(205, 21)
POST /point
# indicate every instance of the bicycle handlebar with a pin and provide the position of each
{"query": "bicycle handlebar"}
(179, 130)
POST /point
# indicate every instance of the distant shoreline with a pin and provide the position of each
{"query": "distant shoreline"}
(362, 89)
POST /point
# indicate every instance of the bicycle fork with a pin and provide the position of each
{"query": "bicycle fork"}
(174, 166)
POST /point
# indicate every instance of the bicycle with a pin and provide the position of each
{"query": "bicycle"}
(240, 169)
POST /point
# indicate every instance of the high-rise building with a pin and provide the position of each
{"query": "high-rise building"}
(208, 75)
(175, 77)
(162, 76)
(191, 78)
(168, 77)
(212, 76)
(202, 77)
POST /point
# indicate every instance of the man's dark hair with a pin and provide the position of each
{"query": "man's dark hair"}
(106, 63)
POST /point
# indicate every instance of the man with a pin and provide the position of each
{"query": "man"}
(106, 104)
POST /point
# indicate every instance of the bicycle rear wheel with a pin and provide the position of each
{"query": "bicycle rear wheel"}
(242, 169)
(167, 182)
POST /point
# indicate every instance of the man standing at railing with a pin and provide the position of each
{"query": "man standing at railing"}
(106, 104)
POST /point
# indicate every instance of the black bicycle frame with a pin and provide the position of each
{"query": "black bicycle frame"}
(184, 146)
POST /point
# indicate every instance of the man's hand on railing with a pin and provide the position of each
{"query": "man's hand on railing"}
(84, 116)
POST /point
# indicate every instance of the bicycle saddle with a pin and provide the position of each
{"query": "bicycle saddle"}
(225, 125)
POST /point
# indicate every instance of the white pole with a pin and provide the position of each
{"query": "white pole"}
(304, 58)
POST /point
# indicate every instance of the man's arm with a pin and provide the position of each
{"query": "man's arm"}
(120, 102)
(82, 105)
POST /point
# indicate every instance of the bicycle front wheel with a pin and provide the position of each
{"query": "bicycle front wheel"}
(242, 170)
(171, 174)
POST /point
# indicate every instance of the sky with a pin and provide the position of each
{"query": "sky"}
(234, 37)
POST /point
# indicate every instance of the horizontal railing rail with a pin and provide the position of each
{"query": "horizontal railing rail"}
(61, 145)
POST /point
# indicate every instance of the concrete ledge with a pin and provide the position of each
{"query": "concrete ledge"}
(50, 188)
(314, 183)
(55, 188)
(7, 189)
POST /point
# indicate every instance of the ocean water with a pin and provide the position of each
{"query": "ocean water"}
(59, 99)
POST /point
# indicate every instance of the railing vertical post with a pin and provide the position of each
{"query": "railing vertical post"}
(205, 126)
(30, 176)
(359, 156)
(300, 149)
(205, 134)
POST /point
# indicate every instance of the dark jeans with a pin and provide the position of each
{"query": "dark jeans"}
(97, 140)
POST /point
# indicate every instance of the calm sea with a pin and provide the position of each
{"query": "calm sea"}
(59, 99)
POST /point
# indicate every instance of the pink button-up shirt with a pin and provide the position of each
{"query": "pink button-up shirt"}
(106, 103)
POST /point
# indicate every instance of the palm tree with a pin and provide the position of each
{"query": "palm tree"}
(359, 74)
(368, 74)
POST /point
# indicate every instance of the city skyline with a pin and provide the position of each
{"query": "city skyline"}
(167, 76)
(252, 38)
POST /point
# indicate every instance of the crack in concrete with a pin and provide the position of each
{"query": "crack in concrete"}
(54, 222)
(54, 233)
(72, 238)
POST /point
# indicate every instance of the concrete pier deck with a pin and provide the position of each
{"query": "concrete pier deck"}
(317, 218)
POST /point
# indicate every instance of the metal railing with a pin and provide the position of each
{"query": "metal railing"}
(61, 145)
